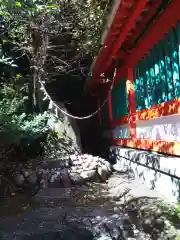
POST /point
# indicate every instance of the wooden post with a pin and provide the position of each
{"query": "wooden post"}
(110, 114)
(110, 108)
(131, 102)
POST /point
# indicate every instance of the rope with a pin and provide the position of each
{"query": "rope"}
(52, 103)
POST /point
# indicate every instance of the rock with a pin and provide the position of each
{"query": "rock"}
(19, 179)
(44, 165)
(75, 178)
(159, 223)
(42, 184)
(55, 178)
(76, 169)
(76, 163)
(87, 156)
(103, 173)
(40, 173)
(25, 173)
(93, 166)
(96, 159)
(88, 175)
(65, 179)
(147, 225)
(86, 165)
(81, 159)
(108, 165)
(32, 178)
(135, 231)
(73, 158)
(171, 233)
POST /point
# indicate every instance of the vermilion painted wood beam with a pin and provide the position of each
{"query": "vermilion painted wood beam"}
(118, 13)
(131, 102)
(162, 110)
(118, 19)
(129, 26)
(163, 24)
(121, 55)
(110, 103)
(103, 55)
(126, 3)
(106, 46)
(131, 23)
(167, 147)
(141, 26)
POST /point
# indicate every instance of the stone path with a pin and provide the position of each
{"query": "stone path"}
(101, 211)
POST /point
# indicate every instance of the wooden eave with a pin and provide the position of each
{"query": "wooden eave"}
(129, 22)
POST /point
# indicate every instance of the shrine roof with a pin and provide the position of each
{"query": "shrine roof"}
(129, 21)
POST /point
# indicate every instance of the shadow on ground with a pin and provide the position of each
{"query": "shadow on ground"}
(123, 208)
(159, 171)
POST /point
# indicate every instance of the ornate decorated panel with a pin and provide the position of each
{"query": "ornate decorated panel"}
(157, 75)
(164, 128)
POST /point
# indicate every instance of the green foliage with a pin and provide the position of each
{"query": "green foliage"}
(54, 37)
(172, 211)
(76, 24)
(17, 128)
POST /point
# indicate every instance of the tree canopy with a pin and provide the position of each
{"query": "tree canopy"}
(41, 41)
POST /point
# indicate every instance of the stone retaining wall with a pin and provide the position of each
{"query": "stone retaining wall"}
(160, 172)
(67, 130)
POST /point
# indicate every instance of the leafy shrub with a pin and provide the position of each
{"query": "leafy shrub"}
(170, 210)
(19, 129)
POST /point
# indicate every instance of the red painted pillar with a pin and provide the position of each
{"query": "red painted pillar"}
(110, 108)
(131, 102)
(110, 115)
(110, 105)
